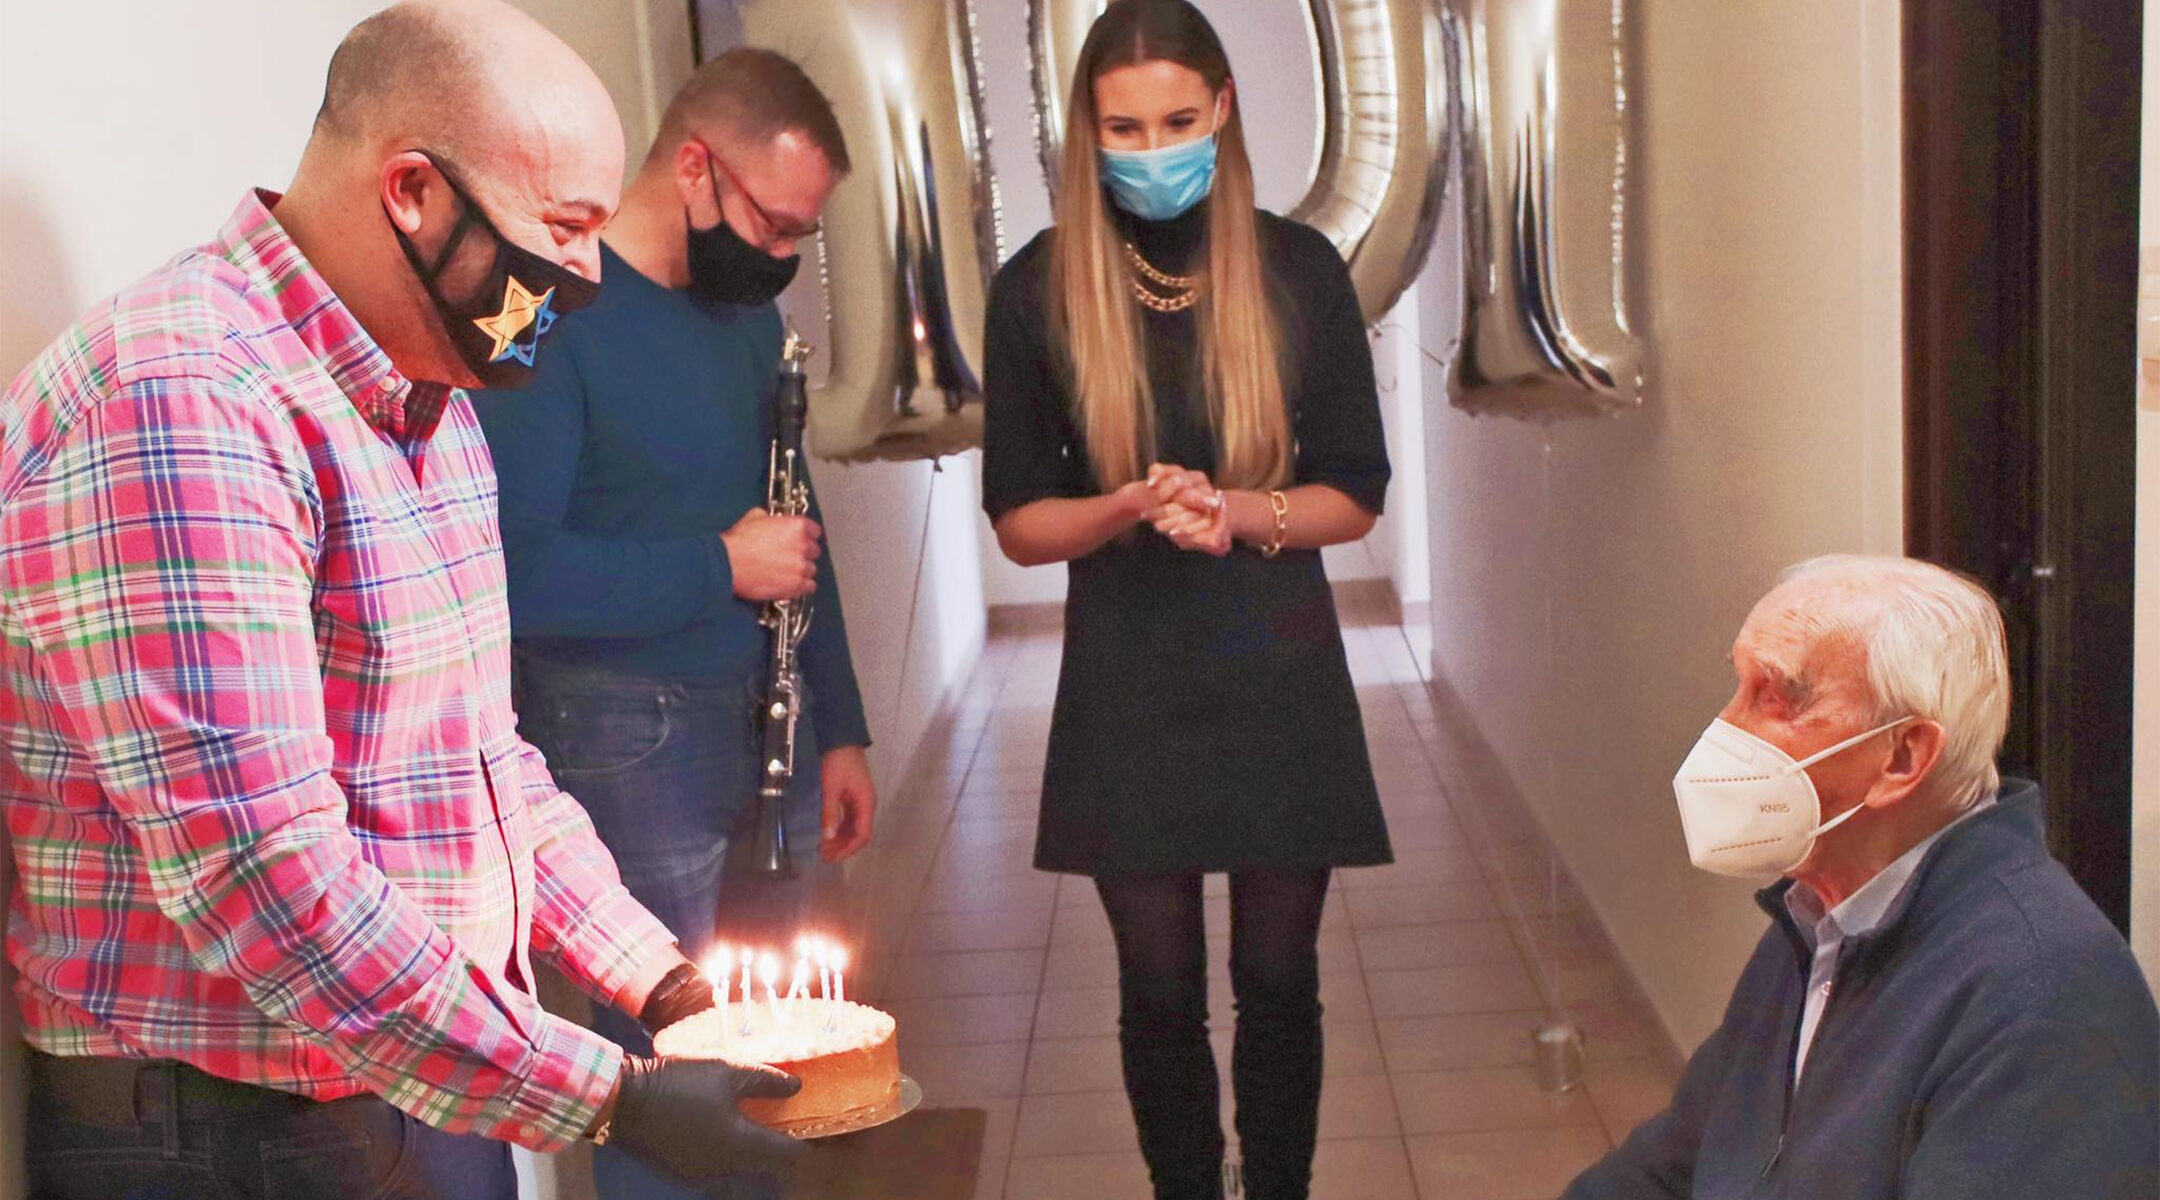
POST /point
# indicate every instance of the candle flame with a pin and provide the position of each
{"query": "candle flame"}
(839, 959)
(715, 966)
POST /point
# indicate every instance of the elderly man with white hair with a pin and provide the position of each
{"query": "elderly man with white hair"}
(1938, 1010)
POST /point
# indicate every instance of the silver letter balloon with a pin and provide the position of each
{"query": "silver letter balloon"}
(1531, 94)
(1539, 110)
(911, 236)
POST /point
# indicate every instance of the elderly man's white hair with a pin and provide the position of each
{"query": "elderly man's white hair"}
(1933, 641)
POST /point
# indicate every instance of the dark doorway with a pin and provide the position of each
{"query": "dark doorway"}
(2021, 202)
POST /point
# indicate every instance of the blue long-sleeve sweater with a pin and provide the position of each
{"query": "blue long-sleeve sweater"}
(641, 438)
(1991, 1038)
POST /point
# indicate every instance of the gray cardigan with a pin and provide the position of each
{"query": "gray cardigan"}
(1993, 1037)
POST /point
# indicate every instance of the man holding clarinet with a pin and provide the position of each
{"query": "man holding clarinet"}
(644, 559)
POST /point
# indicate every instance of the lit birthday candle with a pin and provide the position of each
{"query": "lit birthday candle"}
(769, 974)
(839, 974)
(824, 966)
(717, 966)
(747, 998)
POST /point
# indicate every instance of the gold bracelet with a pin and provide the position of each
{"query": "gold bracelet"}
(1281, 504)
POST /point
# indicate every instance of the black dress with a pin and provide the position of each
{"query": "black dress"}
(1205, 718)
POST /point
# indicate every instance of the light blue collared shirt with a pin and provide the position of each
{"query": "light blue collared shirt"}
(1857, 914)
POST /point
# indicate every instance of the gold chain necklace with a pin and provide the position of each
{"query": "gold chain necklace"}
(1186, 287)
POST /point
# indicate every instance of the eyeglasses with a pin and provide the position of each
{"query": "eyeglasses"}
(773, 227)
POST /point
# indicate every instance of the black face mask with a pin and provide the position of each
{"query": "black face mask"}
(498, 329)
(725, 269)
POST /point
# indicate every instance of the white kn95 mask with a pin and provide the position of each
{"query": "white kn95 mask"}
(1747, 808)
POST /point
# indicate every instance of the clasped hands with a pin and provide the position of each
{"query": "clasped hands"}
(1184, 506)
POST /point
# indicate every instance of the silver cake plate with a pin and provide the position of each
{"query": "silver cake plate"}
(910, 1097)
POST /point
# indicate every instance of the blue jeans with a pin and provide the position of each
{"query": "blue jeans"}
(123, 1129)
(668, 770)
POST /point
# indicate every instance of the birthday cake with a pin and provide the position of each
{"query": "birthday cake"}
(846, 1055)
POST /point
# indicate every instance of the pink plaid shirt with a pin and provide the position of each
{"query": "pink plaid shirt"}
(269, 809)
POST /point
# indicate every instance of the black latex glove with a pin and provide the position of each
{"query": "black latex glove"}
(683, 992)
(678, 1115)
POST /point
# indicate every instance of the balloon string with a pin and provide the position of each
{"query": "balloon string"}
(1442, 359)
(922, 556)
(1552, 855)
(1541, 955)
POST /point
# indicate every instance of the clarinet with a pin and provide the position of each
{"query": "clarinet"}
(787, 494)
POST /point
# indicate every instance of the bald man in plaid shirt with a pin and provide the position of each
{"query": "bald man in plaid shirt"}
(283, 864)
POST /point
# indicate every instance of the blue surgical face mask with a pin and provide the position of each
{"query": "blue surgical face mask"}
(1156, 185)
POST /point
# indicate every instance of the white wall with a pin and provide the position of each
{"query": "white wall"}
(1270, 49)
(1587, 578)
(2145, 701)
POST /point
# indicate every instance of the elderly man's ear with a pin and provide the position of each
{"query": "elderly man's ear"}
(1915, 748)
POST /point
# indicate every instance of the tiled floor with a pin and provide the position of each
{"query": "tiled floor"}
(1434, 970)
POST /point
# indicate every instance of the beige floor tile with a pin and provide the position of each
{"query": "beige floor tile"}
(1458, 1040)
(1425, 833)
(1357, 1106)
(973, 973)
(1591, 981)
(1005, 770)
(1396, 753)
(963, 1020)
(1075, 1123)
(1383, 907)
(1485, 1098)
(1362, 1169)
(960, 1076)
(1021, 782)
(1080, 1012)
(1352, 1047)
(984, 858)
(992, 831)
(1616, 1031)
(954, 892)
(1627, 1092)
(1091, 965)
(989, 929)
(990, 1177)
(1436, 944)
(1569, 937)
(1416, 868)
(1479, 987)
(1011, 806)
(1001, 1117)
(1088, 1064)
(1077, 925)
(1514, 1164)
(1111, 1176)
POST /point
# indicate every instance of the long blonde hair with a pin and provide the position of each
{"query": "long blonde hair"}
(1089, 301)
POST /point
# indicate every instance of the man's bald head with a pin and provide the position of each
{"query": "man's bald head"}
(436, 112)
(390, 73)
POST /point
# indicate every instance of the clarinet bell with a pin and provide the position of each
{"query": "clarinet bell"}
(770, 857)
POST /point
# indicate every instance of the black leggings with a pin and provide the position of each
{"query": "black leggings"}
(1162, 1023)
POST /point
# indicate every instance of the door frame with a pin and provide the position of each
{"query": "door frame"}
(2021, 200)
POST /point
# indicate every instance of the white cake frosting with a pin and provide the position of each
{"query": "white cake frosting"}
(800, 1033)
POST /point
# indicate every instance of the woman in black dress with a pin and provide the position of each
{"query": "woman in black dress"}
(1181, 406)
